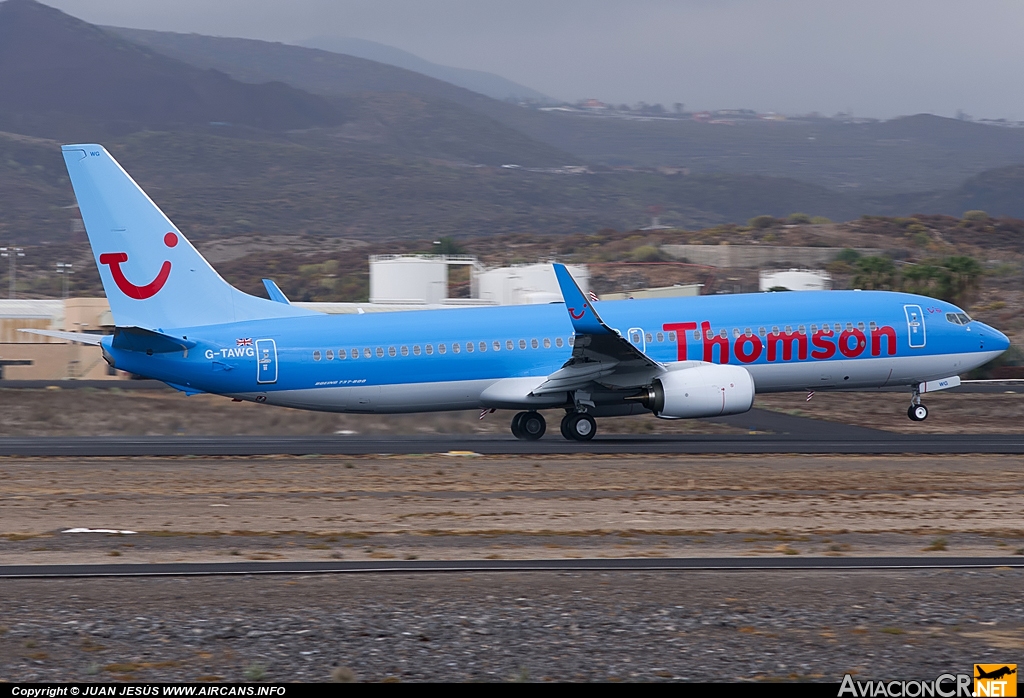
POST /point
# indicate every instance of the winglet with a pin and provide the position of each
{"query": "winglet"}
(274, 292)
(585, 319)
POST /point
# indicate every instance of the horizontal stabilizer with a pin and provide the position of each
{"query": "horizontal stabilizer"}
(80, 337)
(148, 341)
(275, 292)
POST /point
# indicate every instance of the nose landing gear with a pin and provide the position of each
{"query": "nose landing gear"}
(528, 426)
(917, 411)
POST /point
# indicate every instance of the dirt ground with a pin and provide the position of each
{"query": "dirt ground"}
(93, 412)
(462, 507)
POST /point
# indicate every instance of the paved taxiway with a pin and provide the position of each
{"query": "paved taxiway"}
(464, 566)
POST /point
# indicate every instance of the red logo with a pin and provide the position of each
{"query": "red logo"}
(140, 293)
(572, 311)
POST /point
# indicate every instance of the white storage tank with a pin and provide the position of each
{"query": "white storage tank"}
(795, 280)
(408, 279)
(524, 284)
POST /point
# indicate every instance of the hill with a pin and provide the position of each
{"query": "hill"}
(911, 154)
(61, 77)
(214, 186)
(489, 84)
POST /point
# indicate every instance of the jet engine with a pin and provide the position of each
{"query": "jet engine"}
(700, 391)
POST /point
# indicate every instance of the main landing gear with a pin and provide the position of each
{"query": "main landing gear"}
(528, 426)
(917, 412)
(578, 426)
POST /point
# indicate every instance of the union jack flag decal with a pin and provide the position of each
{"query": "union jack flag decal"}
(247, 342)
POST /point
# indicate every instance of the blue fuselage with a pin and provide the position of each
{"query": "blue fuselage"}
(787, 341)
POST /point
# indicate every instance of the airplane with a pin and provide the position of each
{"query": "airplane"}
(995, 673)
(176, 320)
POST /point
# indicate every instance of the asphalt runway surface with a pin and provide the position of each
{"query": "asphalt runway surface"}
(824, 442)
(465, 566)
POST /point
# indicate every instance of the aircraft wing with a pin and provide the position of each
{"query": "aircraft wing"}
(599, 353)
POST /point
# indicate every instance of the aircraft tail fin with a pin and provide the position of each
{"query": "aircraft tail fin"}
(153, 276)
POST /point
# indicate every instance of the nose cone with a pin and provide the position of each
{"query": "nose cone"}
(995, 340)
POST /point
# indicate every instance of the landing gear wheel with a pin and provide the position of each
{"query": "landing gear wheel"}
(577, 426)
(531, 426)
(516, 431)
(917, 413)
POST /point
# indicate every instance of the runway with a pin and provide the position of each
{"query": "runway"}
(823, 443)
(467, 566)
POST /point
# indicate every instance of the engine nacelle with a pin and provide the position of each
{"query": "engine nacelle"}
(700, 391)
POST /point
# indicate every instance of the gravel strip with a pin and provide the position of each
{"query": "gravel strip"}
(501, 627)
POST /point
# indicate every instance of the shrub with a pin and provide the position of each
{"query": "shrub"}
(762, 222)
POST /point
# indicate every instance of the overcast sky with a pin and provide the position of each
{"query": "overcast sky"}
(879, 58)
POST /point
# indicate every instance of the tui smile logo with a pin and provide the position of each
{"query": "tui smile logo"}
(572, 311)
(140, 293)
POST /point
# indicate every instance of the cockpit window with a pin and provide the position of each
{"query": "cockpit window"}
(958, 318)
(964, 318)
(951, 317)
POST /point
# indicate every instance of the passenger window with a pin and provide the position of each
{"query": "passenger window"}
(483, 346)
(696, 334)
(469, 347)
(547, 343)
(849, 326)
(330, 355)
(456, 348)
(761, 331)
(405, 351)
(522, 343)
(497, 345)
(392, 352)
(316, 355)
(558, 342)
(661, 336)
(441, 349)
(736, 332)
(814, 328)
(872, 325)
(775, 330)
(341, 354)
(860, 326)
(648, 337)
(748, 332)
(671, 336)
(722, 333)
(839, 327)
(508, 344)
(572, 340)
(416, 349)
(534, 343)
(429, 349)
(380, 352)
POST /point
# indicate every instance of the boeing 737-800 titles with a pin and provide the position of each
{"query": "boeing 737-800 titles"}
(179, 322)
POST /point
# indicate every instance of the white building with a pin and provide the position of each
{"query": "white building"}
(523, 284)
(795, 280)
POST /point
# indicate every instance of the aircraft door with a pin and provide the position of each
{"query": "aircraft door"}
(266, 361)
(636, 338)
(915, 326)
